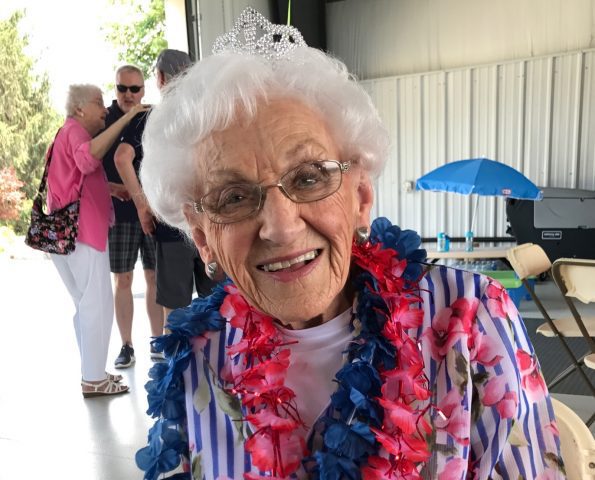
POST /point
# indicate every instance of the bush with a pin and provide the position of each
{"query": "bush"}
(11, 195)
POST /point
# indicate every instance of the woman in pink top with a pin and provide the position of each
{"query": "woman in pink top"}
(76, 170)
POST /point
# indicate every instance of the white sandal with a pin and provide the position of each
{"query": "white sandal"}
(104, 388)
(114, 377)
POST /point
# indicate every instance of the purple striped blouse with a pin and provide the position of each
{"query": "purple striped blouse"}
(497, 417)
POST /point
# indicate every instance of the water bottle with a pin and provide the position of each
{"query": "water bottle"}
(441, 242)
(468, 241)
(446, 243)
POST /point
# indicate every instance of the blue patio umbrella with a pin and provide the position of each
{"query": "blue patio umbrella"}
(480, 176)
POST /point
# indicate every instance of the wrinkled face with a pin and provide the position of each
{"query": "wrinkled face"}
(289, 260)
(92, 114)
(126, 100)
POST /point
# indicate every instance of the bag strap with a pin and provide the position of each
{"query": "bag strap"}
(46, 170)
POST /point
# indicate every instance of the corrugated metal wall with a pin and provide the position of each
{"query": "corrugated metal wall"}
(536, 115)
(378, 38)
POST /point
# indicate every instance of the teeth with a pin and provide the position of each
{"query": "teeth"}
(273, 267)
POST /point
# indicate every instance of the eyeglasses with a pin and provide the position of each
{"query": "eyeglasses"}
(305, 183)
(99, 103)
(133, 88)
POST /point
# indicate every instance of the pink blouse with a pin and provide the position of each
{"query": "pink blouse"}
(72, 168)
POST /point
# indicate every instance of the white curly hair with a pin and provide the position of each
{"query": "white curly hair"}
(211, 94)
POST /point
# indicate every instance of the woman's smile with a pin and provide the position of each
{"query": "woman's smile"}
(294, 269)
(290, 262)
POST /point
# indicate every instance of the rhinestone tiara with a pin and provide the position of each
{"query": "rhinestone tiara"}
(253, 34)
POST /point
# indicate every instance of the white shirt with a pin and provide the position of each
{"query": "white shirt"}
(315, 360)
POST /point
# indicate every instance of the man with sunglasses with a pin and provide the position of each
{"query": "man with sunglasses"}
(126, 237)
(179, 269)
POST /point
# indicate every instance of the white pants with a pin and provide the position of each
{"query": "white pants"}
(86, 274)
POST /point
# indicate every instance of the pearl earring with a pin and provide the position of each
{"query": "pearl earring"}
(211, 269)
(362, 235)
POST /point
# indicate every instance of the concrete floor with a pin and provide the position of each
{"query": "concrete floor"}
(47, 430)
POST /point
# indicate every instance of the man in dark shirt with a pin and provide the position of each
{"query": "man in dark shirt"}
(127, 237)
(179, 267)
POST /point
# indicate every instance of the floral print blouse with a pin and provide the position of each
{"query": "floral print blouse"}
(493, 417)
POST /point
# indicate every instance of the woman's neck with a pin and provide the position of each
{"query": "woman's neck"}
(81, 120)
(340, 303)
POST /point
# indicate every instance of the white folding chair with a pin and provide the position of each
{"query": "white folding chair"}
(575, 277)
(529, 259)
(576, 443)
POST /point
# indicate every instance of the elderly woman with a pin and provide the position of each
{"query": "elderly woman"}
(76, 171)
(330, 351)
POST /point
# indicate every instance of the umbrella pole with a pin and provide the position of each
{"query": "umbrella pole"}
(474, 213)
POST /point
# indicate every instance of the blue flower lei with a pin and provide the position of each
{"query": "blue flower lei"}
(347, 440)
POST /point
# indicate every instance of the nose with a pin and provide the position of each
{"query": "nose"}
(280, 219)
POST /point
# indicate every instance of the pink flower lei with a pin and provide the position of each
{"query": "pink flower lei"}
(393, 418)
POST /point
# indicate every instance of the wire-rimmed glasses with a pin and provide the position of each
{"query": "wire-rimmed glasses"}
(308, 182)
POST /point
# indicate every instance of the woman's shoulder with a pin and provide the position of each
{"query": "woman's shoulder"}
(72, 134)
(72, 127)
(447, 288)
(434, 272)
(456, 280)
(201, 322)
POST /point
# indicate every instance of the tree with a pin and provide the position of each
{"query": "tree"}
(139, 40)
(28, 122)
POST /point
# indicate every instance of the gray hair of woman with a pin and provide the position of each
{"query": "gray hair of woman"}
(216, 90)
(78, 95)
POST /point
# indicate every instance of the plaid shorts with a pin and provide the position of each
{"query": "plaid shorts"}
(125, 240)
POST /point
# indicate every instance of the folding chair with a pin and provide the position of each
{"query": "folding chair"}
(575, 277)
(529, 259)
(576, 443)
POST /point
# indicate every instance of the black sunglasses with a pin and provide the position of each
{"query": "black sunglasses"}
(133, 88)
